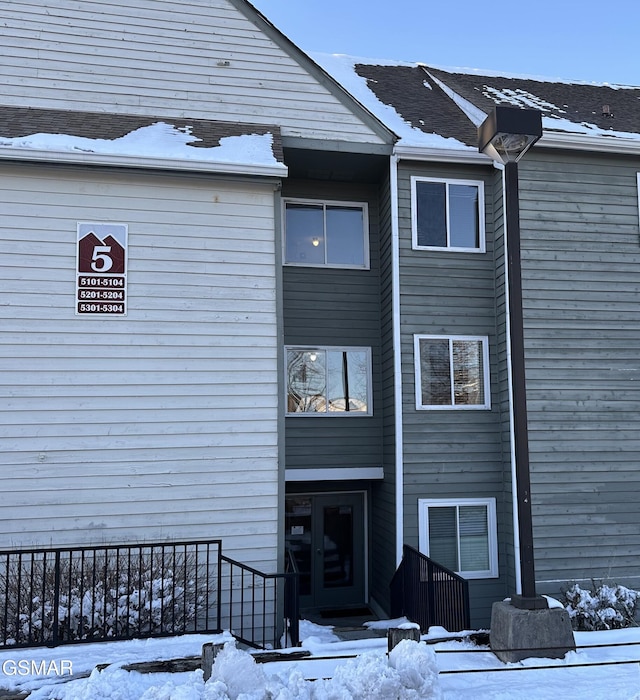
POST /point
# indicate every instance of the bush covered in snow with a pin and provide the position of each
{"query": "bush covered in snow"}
(107, 595)
(606, 608)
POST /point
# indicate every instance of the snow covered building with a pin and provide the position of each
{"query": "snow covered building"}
(581, 277)
(145, 155)
(243, 299)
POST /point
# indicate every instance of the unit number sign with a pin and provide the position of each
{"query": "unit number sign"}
(102, 269)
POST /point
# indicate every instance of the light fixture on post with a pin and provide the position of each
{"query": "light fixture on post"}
(509, 132)
(505, 136)
(526, 627)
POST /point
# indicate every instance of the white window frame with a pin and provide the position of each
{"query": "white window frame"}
(492, 530)
(324, 203)
(329, 414)
(486, 374)
(481, 214)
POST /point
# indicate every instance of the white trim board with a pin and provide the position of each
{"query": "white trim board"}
(145, 162)
(334, 474)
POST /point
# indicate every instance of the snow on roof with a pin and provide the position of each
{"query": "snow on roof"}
(158, 140)
(343, 69)
(397, 92)
(519, 98)
(573, 107)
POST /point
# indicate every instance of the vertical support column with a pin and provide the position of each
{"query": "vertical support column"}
(519, 397)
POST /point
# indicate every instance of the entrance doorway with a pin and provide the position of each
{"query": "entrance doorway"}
(325, 533)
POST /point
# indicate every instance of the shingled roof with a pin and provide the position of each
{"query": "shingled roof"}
(16, 122)
(452, 104)
(606, 107)
(418, 100)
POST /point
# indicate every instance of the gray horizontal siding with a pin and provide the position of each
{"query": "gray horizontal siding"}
(450, 453)
(105, 56)
(581, 279)
(160, 424)
(446, 293)
(328, 306)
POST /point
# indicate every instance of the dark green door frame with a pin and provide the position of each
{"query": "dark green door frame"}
(326, 532)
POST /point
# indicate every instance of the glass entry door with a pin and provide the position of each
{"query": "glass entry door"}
(325, 534)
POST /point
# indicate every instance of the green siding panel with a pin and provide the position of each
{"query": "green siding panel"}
(453, 453)
(329, 306)
(581, 276)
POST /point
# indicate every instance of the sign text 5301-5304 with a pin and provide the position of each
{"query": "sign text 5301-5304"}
(102, 269)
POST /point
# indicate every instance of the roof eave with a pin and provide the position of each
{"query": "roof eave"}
(147, 162)
(584, 142)
(576, 142)
(450, 155)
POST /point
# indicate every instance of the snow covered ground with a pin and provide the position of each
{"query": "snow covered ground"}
(606, 666)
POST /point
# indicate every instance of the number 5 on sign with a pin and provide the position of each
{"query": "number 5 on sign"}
(101, 267)
(100, 260)
(102, 248)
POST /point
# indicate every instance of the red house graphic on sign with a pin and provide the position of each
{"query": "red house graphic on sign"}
(96, 255)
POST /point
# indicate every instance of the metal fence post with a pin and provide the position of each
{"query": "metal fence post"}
(56, 594)
(219, 625)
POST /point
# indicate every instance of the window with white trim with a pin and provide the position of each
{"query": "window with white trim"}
(460, 534)
(452, 372)
(330, 381)
(447, 214)
(326, 234)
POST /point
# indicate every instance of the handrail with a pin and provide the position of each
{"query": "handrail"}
(260, 605)
(292, 598)
(429, 593)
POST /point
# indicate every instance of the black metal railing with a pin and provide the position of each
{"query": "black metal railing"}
(292, 599)
(429, 594)
(65, 595)
(259, 609)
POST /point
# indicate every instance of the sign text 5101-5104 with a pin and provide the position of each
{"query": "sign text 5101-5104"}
(102, 269)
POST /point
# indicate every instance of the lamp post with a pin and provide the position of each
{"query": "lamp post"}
(527, 627)
(505, 136)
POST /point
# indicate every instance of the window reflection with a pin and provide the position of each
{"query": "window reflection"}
(448, 214)
(328, 381)
(326, 234)
(452, 372)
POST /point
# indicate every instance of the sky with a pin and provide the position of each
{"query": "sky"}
(604, 667)
(550, 38)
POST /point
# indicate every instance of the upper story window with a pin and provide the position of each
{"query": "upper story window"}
(460, 535)
(326, 234)
(452, 372)
(447, 214)
(328, 381)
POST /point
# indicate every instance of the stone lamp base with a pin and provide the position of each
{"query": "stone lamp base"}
(519, 633)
